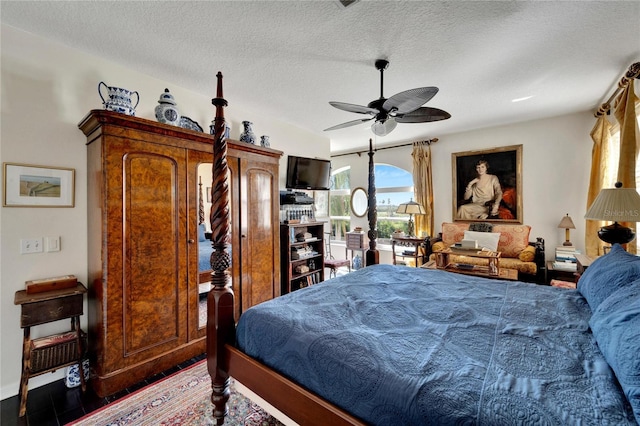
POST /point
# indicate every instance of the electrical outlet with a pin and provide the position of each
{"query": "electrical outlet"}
(53, 244)
(30, 245)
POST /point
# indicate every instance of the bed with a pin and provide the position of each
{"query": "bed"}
(397, 345)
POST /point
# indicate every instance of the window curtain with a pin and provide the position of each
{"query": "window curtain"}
(600, 134)
(625, 112)
(423, 186)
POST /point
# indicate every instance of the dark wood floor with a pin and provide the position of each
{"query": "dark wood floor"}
(54, 404)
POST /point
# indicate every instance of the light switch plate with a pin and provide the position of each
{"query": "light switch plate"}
(53, 244)
(31, 245)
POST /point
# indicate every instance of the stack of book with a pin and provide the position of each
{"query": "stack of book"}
(566, 259)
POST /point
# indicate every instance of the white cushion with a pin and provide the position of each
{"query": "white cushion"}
(487, 240)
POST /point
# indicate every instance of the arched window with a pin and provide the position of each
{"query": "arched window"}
(339, 197)
(393, 187)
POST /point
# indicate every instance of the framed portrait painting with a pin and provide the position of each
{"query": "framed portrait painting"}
(487, 185)
(38, 186)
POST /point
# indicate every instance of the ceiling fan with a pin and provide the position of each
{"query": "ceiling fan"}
(404, 107)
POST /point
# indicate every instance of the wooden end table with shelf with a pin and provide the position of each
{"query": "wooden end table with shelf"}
(354, 241)
(415, 244)
(49, 353)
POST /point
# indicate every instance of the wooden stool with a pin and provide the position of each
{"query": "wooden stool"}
(334, 264)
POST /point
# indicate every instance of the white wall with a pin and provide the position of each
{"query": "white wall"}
(556, 160)
(47, 89)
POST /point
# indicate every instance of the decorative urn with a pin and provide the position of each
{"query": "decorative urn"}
(166, 110)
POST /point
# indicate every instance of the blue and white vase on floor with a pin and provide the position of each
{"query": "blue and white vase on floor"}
(72, 378)
(357, 262)
(247, 135)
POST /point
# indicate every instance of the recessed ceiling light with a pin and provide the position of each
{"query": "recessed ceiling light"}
(522, 99)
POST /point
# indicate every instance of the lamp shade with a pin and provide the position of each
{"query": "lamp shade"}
(616, 204)
(566, 223)
(411, 207)
(383, 127)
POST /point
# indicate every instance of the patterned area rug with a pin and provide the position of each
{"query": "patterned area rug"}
(181, 399)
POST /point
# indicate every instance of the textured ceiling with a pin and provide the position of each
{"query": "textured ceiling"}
(288, 59)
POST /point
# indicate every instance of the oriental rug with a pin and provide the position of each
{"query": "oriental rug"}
(180, 399)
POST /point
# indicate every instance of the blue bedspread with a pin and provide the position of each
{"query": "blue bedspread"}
(204, 255)
(407, 346)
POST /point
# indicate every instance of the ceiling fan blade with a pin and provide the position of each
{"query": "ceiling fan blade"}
(423, 115)
(354, 108)
(349, 124)
(409, 100)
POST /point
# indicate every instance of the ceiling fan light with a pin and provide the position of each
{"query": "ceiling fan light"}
(383, 127)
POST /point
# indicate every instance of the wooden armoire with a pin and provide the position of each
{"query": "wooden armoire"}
(142, 198)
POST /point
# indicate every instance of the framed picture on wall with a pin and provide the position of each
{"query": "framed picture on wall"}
(487, 185)
(38, 186)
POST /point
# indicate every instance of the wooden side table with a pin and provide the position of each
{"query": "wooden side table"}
(583, 262)
(557, 274)
(413, 243)
(49, 353)
(354, 241)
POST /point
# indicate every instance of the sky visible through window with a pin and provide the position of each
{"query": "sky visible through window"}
(388, 176)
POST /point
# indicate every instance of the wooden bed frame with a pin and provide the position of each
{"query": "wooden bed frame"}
(224, 360)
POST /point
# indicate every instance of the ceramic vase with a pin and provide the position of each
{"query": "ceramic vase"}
(247, 135)
(166, 110)
(264, 141)
(227, 129)
(357, 262)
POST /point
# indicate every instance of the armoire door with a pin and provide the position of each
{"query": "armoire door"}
(259, 230)
(147, 251)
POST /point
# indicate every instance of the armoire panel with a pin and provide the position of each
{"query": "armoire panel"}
(151, 247)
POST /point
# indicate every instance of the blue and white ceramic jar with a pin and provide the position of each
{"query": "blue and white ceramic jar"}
(247, 135)
(264, 141)
(227, 129)
(166, 110)
(357, 262)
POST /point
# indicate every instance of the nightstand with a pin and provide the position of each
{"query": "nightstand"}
(49, 353)
(556, 274)
(583, 262)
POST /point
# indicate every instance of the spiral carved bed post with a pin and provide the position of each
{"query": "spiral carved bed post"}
(373, 256)
(220, 326)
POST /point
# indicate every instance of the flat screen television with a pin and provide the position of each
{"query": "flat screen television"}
(308, 173)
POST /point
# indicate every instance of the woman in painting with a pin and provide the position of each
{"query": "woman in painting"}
(484, 193)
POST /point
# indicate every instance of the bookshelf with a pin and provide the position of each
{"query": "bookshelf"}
(301, 255)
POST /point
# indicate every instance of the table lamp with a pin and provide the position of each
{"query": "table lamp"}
(618, 205)
(567, 224)
(411, 208)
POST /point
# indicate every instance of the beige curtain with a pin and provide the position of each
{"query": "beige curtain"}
(625, 112)
(423, 186)
(601, 134)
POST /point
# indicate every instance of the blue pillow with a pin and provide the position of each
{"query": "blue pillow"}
(616, 327)
(201, 229)
(607, 274)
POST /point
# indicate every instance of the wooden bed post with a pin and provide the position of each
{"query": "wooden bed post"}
(372, 256)
(220, 320)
